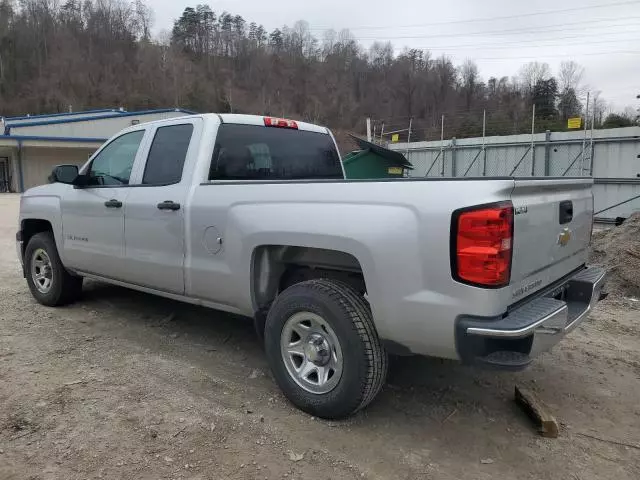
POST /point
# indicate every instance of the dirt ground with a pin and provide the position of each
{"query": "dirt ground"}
(123, 385)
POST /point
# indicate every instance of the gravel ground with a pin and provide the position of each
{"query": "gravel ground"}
(126, 385)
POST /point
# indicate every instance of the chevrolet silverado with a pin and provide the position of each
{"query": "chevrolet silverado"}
(253, 215)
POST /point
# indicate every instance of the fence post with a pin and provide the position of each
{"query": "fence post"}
(584, 141)
(453, 157)
(484, 148)
(442, 145)
(533, 146)
(593, 154)
(409, 136)
(547, 153)
(592, 151)
(533, 160)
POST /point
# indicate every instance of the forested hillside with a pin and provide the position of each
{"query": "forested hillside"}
(56, 55)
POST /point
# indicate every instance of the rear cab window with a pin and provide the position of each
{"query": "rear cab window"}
(254, 152)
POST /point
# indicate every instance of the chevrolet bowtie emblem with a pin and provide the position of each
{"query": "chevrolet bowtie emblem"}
(564, 237)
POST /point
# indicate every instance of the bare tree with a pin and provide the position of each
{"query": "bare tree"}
(570, 77)
(600, 109)
(101, 53)
(532, 73)
(570, 89)
(469, 76)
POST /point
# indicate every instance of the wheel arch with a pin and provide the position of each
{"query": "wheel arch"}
(41, 212)
(63, 287)
(275, 267)
(30, 227)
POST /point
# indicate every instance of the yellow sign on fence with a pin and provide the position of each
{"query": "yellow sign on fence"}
(395, 137)
(575, 122)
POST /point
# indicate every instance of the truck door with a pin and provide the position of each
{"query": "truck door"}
(93, 216)
(155, 214)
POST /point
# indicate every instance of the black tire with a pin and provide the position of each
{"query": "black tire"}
(364, 365)
(65, 288)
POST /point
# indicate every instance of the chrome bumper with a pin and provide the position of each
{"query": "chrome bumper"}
(514, 340)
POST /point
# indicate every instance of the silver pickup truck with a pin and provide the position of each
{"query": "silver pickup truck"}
(252, 215)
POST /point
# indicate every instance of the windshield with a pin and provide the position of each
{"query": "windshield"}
(253, 152)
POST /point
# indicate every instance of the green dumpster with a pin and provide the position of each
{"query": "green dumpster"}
(374, 161)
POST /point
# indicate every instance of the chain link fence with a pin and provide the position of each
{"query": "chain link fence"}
(513, 157)
(610, 156)
(490, 144)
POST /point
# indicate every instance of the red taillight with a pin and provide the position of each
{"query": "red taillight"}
(482, 245)
(280, 123)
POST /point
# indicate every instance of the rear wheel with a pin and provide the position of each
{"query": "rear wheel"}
(48, 280)
(323, 349)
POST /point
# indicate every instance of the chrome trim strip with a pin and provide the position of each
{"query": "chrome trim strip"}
(521, 332)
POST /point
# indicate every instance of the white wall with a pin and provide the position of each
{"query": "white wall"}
(15, 172)
(95, 128)
(38, 162)
(66, 116)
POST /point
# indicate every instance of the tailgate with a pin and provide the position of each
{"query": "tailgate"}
(552, 229)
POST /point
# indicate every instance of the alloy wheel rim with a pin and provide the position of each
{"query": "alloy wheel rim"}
(311, 352)
(41, 271)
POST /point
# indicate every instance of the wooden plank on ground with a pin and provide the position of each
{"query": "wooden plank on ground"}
(537, 411)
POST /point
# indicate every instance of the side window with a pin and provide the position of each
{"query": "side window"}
(167, 155)
(114, 163)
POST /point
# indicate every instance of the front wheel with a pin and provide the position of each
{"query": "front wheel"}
(323, 348)
(48, 280)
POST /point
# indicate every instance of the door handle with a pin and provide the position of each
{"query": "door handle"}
(168, 205)
(113, 203)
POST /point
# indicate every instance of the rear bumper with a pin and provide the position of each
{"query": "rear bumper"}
(514, 340)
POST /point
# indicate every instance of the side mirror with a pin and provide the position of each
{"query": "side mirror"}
(64, 174)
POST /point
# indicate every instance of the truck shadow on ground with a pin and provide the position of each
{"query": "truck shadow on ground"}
(420, 392)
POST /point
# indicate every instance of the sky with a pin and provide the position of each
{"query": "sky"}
(499, 35)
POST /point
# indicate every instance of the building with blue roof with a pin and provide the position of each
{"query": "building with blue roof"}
(31, 145)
